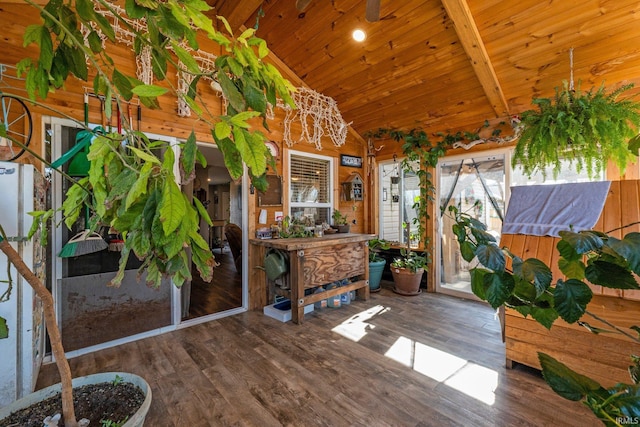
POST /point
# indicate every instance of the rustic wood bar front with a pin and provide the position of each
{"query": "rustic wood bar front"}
(313, 262)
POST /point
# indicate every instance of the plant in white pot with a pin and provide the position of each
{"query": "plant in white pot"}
(129, 186)
(376, 262)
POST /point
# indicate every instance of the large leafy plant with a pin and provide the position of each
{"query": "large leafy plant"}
(586, 128)
(528, 287)
(133, 183)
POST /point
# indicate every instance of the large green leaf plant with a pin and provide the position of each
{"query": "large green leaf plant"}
(133, 184)
(529, 288)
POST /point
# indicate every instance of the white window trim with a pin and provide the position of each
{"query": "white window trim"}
(330, 204)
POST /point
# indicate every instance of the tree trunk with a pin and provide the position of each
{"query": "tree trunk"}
(62, 363)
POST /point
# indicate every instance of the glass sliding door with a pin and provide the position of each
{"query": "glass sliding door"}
(475, 185)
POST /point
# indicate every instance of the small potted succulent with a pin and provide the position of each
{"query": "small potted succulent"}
(340, 221)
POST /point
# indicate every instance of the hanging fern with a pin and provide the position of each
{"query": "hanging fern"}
(587, 129)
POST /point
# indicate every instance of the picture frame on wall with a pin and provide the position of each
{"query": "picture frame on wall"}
(350, 161)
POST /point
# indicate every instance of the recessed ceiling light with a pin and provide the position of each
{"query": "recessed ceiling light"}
(359, 35)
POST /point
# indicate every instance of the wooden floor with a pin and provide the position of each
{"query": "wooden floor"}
(224, 292)
(427, 360)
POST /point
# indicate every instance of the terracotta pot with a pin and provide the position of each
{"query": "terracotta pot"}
(406, 282)
(136, 420)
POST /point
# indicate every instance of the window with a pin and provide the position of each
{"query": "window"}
(566, 175)
(310, 181)
(399, 191)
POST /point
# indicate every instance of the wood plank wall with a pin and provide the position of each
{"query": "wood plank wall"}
(608, 354)
(165, 121)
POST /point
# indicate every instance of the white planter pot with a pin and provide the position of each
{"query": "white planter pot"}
(136, 420)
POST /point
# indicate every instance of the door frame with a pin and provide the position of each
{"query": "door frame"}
(480, 155)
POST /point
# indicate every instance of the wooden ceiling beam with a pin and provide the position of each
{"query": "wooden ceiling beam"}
(465, 26)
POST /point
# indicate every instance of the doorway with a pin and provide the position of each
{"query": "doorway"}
(477, 186)
(222, 197)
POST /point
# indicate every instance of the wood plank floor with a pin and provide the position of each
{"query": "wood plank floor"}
(427, 360)
(224, 292)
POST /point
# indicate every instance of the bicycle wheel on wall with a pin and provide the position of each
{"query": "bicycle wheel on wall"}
(15, 127)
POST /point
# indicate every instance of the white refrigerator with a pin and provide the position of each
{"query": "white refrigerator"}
(22, 190)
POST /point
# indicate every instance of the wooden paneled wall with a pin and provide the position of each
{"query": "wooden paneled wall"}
(604, 357)
(162, 121)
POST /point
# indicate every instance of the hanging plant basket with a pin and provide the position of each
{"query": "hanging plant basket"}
(586, 129)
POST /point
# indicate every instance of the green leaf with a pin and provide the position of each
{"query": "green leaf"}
(255, 152)
(123, 84)
(477, 282)
(629, 248)
(222, 130)
(231, 92)
(202, 211)
(467, 249)
(85, 10)
(185, 57)
(255, 97)
(499, 287)
(4, 329)
(567, 251)
(573, 269)
(150, 91)
(95, 42)
(172, 207)
(188, 157)
(582, 242)
(145, 156)
(564, 381)
(232, 157)
(491, 256)
(571, 299)
(534, 270)
(139, 187)
(610, 275)
(544, 316)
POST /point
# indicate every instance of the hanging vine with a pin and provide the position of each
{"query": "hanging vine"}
(420, 155)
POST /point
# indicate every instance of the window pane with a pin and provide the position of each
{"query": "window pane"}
(309, 180)
(400, 189)
(566, 175)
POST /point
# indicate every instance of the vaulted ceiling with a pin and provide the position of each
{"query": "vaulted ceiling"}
(445, 65)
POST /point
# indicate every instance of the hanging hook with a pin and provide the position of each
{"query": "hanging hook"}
(571, 69)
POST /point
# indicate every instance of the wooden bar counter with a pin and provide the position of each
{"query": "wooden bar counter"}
(313, 262)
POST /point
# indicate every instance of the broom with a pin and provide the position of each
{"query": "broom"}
(85, 242)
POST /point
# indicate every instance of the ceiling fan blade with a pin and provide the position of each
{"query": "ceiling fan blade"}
(301, 5)
(373, 11)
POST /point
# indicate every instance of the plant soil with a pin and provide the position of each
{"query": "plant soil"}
(96, 402)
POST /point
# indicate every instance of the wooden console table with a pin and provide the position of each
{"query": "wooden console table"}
(313, 262)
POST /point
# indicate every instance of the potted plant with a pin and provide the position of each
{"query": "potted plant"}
(407, 272)
(527, 286)
(140, 196)
(340, 221)
(586, 128)
(376, 262)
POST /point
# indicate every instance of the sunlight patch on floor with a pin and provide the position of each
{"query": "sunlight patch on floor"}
(355, 327)
(467, 377)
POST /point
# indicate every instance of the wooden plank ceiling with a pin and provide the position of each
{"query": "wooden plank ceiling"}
(446, 65)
